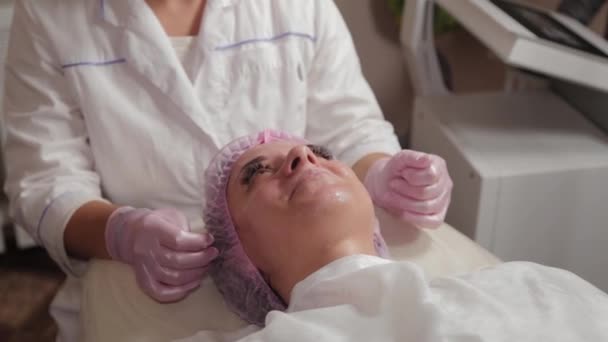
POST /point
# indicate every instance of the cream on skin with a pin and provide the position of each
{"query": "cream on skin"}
(296, 209)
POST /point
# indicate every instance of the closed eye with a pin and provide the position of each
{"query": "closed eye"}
(321, 151)
(252, 170)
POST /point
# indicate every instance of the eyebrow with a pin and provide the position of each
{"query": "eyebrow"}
(249, 163)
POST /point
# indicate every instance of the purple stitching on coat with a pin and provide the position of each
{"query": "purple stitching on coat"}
(115, 61)
(102, 5)
(44, 214)
(266, 40)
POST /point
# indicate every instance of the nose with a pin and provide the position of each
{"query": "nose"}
(297, 158)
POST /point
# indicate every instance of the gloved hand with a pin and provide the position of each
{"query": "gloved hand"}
(412, 185)
(169, 260)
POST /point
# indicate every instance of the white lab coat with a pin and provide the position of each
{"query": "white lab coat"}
(363, 298)
(97, 104)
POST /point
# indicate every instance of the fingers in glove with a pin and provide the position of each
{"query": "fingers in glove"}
(424, 221)
(399, 203)
(160, 292)
(402, 187)
(183, 241)
(409, 159)
(173, 216)
(429, 220)
(173, 277)
(185, 260)
(427, 176)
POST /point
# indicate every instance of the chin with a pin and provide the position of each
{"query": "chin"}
(326, 200)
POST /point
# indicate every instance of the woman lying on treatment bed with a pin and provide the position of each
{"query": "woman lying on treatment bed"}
(301, 259)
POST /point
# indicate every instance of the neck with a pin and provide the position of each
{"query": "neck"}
(179, 17)
(358, 241)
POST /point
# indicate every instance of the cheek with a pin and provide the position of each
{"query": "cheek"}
(259, 217)
(355, 184)
(246, 206)
(340, 169)
(260, 238)
(264, 198)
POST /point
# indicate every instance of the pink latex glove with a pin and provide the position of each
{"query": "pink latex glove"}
(412, 185)
(169, 260)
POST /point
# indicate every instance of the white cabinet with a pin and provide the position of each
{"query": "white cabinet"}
(530, 176)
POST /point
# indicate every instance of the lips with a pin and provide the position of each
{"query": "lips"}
(304, 175)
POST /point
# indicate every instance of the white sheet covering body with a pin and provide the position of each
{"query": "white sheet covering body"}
(364, 298)
(115, 309)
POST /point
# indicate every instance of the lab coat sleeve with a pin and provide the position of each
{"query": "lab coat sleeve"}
(48, 160)
(342, 111)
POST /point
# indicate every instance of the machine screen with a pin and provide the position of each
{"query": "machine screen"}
(546, 27)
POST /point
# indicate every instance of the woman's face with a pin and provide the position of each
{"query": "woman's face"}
(282, 197)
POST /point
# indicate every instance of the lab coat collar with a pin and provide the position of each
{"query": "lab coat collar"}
(119, 12)
(147, 49)
(115, 12)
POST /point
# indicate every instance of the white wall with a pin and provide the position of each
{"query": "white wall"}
(375, 32)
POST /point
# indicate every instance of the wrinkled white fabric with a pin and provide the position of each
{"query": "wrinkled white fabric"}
(363, 298)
